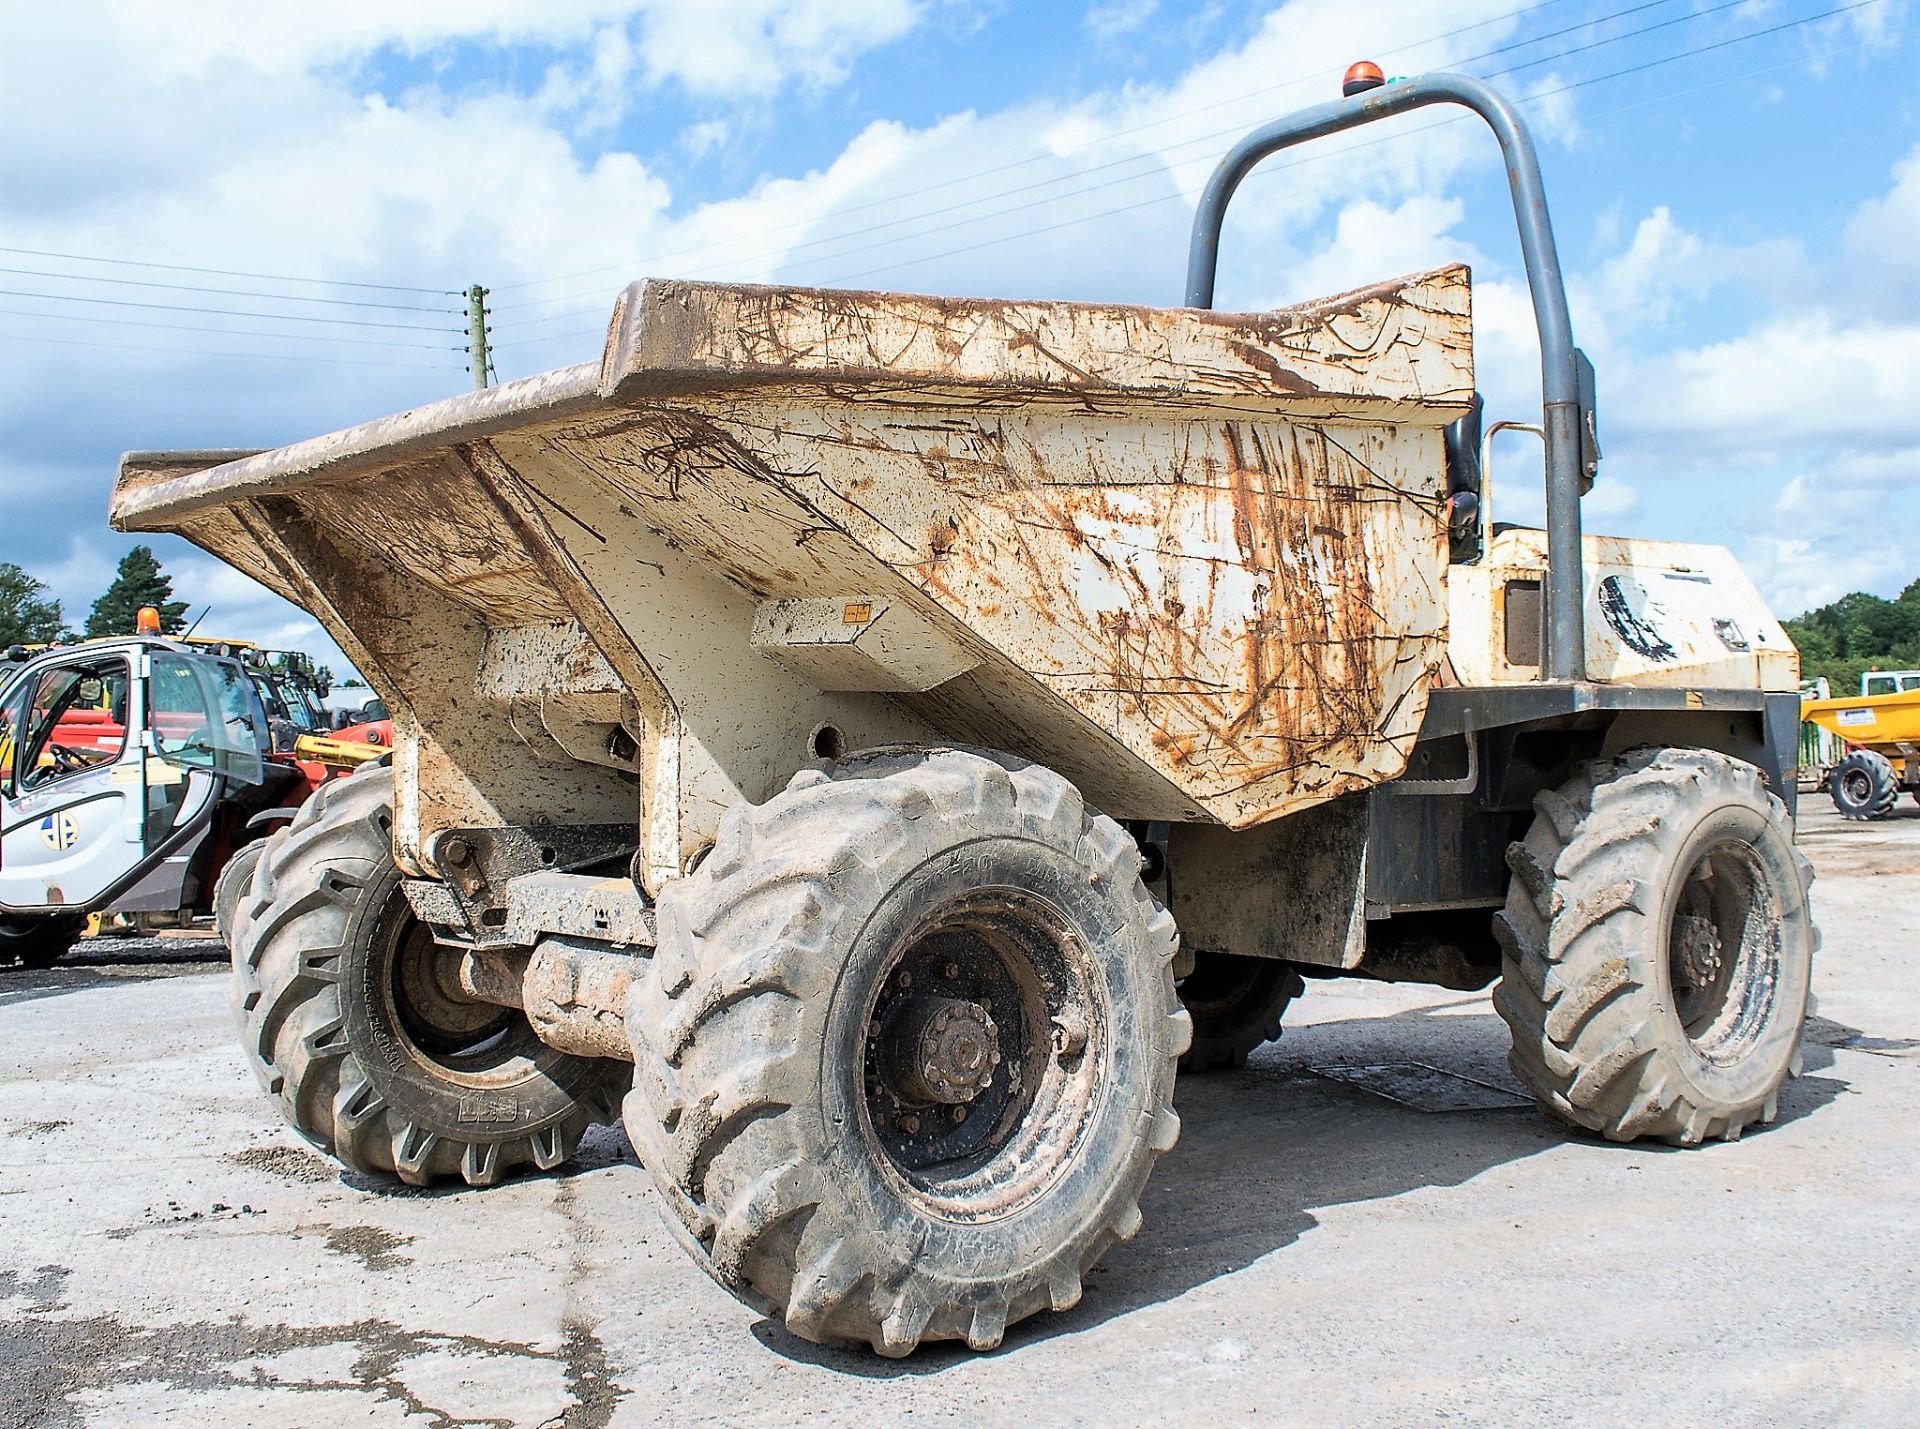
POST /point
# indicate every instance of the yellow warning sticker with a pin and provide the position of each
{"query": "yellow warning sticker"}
(857, 612)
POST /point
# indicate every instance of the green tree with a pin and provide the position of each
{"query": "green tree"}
(28, 613)
(1855, 633)
(138, 582)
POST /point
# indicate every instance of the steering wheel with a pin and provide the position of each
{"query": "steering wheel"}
(68, 760)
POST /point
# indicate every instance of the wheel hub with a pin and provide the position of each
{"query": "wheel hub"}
(942, 1051)
(1697, 955)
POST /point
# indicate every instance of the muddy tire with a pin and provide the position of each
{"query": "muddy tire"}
(1657, 946)
(907, 1056)
(30, 942)
(231, 886)
(1236, 1004)
(343, 1022)
(1862, 786)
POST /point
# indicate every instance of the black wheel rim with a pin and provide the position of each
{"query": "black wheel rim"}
(985, 1039)
(1723, 951)
(437, 1025)
(1856, 787)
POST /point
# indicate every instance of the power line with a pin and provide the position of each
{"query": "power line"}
(226, 272)
(228, 331)
(1157, 161)
(1544, 94)
(1266, 172)
(1690, 16)
(1160, 161)
(1723, 44)
(1107, 137)
(226, 292)
(219, 312)
(1153, 173)
(210, 352)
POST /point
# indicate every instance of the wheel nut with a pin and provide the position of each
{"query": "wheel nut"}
(910, 1125)
(905, 979)
(959, 1114)
(951, 970)
(1069, 1034)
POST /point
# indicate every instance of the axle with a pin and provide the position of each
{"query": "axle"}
(575, 997)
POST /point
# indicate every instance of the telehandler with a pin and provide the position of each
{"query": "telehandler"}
(139, 775)
(836, 732)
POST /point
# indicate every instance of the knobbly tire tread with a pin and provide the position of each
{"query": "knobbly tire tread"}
(1221, 1042)
(231, 886)
(747, 957)
(1592, 1039)
(288, 948)
(1883, 787)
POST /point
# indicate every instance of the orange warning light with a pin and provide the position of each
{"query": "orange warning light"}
(147, 622)
(1361, 77)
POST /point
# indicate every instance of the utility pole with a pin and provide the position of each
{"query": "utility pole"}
(477, 335)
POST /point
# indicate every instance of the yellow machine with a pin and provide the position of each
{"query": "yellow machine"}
(1883, 735)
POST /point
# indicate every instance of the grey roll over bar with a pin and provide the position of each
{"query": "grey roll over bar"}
(1566, 378)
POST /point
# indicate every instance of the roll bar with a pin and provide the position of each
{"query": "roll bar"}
(1566, 377)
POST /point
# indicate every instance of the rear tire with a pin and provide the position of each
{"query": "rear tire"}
(1657, 946)
(1863, 787)
(343, 1022)
(944, 903)
(231, 886)
(30, 942)
(1236, 1004)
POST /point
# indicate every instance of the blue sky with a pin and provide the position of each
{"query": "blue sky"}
(1736, 189)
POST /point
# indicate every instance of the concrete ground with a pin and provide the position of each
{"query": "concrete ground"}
(1368, 1224)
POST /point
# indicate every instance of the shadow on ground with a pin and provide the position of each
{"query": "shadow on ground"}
(1263, 1149)
(94, 961)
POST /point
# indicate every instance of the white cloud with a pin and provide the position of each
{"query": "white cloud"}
(1797, 378)
(235, 134)
(1818, 540)
(709, 46)
(1809, 418)
(1882, 244)
(1114, 18)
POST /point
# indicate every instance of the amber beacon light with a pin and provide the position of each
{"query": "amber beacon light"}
(1361, 77)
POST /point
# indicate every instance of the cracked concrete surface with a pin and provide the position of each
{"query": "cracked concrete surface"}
(1365, 1225)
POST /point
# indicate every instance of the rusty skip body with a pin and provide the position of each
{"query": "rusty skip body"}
(1566, 377)
(1194, 561)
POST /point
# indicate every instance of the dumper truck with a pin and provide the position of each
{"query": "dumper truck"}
(1879, 738)
(868, 741)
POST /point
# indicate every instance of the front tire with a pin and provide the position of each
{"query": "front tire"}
(346, 1022)
(907, 1056)
(1863, 787)
(30, 942)
(1657, 948)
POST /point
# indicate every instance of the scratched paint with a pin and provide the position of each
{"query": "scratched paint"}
(1193, 560)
